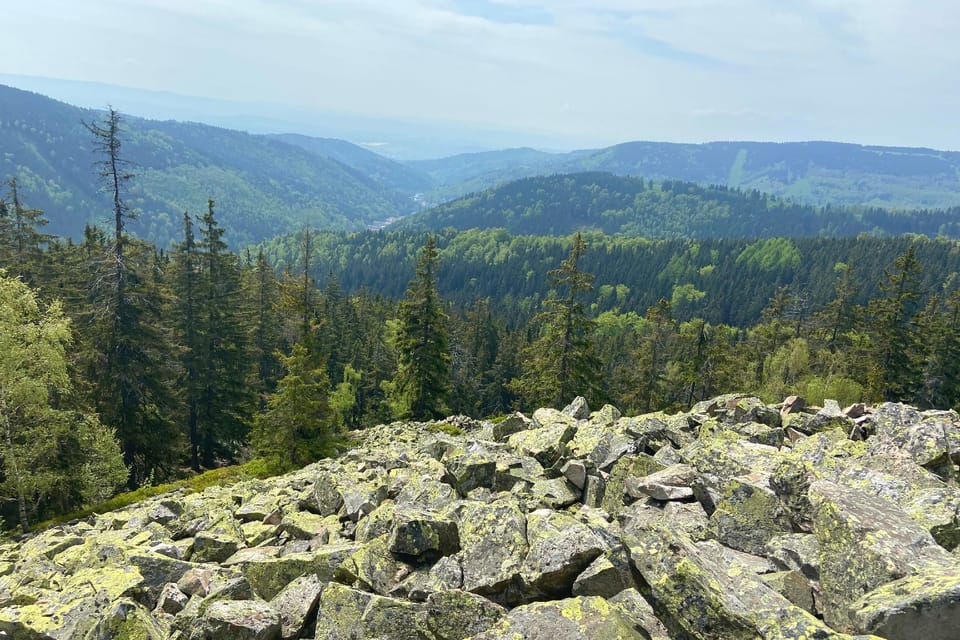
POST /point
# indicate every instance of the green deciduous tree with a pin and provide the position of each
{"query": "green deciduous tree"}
(35, 436)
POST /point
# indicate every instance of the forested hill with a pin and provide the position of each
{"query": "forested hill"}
(262, 186)
(818, 173)
(720, 280)
(394, 177)
(564, 203)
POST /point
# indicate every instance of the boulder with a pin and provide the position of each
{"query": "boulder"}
(560, 548)
(579, 618)
(454, 614)
(748, 514)
(865, 542)
(493, 541)
(420, 535)
(239, 620)
(547, 444)
(672, 483)
(731, 602)
(297, 605)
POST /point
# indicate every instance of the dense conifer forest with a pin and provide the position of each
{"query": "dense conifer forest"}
(124, 363)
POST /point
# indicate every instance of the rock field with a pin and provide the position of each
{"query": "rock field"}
(734, 520)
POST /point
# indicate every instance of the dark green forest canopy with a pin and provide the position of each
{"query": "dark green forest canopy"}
(736, 276)
(564, 204)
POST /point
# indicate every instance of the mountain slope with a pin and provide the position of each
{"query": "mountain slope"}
(810, 172)
(393, 177)
(564, 203)
(262, 186)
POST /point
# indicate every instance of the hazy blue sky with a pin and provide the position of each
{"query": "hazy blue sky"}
(576, 72)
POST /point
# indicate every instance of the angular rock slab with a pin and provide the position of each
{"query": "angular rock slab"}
(493, 538)
(924, 606)
(560, 549)
(420, 535)
(865, 542)
(239, 620)
(698, 595)
(453, 615)
(580, 618)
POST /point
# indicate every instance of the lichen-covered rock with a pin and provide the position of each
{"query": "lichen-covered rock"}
(238, 620)
(748, 514)
(454, 614)
(546, 444)
(579, 618)
(443, 575)
(601, 578)
(374, 568)
(297, 604)
(128, 620)
(349, 614)
(600, 443)
(510, 425)
(672, 483)
(925, 605)
(730, 602)
(493, 541)
(516, 470)
(727, 455)
(865, 542)
(560, 549)
(421, 535)
(635, 608)
(615, 496)
(268, 576)
(688, 518)
(471, 469)
(214, 547)
(793, 586)
(172, 600)
(555, 493)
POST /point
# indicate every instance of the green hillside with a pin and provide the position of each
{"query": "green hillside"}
(563, 204)
(262, 186)
(810, 172)
(394, 178)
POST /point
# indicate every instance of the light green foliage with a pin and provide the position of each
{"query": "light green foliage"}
(770, 255)
(34, 434)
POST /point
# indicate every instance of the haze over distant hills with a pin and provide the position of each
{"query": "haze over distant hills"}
(266, 185)
(808, 172)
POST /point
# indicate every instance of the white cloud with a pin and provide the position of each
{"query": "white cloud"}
(584, 71)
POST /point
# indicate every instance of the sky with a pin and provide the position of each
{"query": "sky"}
(564, 74)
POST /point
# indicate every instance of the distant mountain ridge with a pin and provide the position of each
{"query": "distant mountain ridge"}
(562, 204)
(818, 173)
(263, 186)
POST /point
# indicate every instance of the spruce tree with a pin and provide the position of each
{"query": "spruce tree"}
(419, 388)
(298, 426)
(20, 238)
(561, 362)
(895, 368)
(130, 360)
